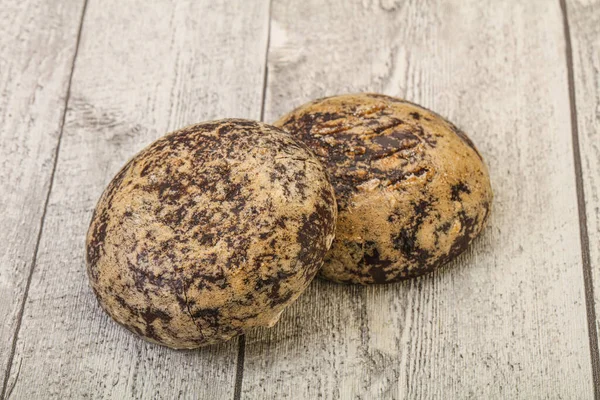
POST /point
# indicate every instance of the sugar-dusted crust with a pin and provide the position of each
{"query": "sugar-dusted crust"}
(209, 231)
(412, 189)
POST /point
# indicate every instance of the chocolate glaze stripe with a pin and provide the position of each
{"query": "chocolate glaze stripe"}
(3, 393)
(583, 229)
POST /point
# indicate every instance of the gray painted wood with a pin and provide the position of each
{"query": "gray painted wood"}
(143, 68)
(508, 319)
(37, 44)
(584, 21)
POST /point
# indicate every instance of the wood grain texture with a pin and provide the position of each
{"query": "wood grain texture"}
(584, 23)
(508, 319)
(37, 44)
(143, 69)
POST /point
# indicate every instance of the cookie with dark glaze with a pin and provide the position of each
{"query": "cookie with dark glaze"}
(412, 189)
(209, 231)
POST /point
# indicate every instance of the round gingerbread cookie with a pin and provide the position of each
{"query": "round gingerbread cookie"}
(209, 231)
(412, 189)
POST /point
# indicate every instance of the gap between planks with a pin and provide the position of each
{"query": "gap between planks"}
(239, 372)
(42, 220)
(583, 226)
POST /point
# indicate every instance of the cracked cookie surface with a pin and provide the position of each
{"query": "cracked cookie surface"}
(209, 231)
(412, 189)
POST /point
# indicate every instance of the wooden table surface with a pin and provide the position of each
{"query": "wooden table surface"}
(85, 84)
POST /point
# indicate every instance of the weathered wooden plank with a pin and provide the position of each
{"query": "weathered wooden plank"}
(37, 44)
(143, 69)
(584, 23)
(508, 319)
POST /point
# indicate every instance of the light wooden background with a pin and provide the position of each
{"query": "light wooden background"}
(85, 84)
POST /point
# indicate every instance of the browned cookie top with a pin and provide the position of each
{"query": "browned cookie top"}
(412, 189)
(208, 231)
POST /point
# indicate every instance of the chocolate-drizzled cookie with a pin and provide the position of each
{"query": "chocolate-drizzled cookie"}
(412, 189)
(209, 231)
